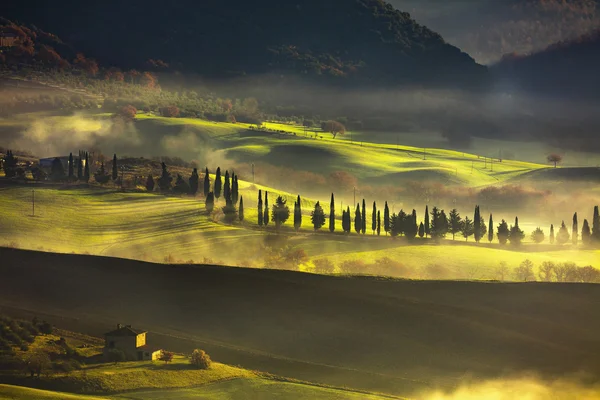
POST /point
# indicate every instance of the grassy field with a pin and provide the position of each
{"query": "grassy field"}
(379, 335)
(152, 227)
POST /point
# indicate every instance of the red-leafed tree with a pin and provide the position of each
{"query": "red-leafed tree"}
(170, 111)
(88, 65)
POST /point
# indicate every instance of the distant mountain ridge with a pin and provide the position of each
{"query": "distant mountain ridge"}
(351, 41)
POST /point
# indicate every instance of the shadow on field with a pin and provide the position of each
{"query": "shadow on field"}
(385, 335)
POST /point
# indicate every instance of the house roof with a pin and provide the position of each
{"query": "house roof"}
(125, 331)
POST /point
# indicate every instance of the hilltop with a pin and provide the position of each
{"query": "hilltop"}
(351, 42)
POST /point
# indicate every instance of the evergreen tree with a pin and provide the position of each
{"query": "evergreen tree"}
(411, 229)
(378, 222)
(477, 225)
(562, 236)
(235, 193)
(575, 230)
(218, 184)
(427, 226)
(86, 169)
(266, 213)
(79, 169)
(363, 225)
(115, 171)
(357, 219)
(317, 217)
(227, 186)
(482, 227)
(348, 227)
(229, 210)
(57, 171)
(241, 210)
(586, 234)
(332, 214)
(164, 182)
(467, 228)
(503, 232)
(596, 226)
(551, 234)
(491, 229)
(439, 224)
(260, 208)
(421, 230)
(101, 176)
(395, 225)
(297, 214)
(71, 167)
(386, 218)
(181, 186)
(538, 236)
(516, 235)
(206, 182)
(455, 222)
(194, 181)
(374, 218)
(150, 183)
(210, 202)
(10, 163)
(281, 212)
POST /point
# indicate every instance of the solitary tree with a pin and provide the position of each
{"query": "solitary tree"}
(575, 230)
(241, 210)
(150, 183)
(166, 356)
(115, 171)
(218, 184)
(281, 212)
(562, 236)
(586, 234)
(200, 359)
(491, 229)
(71, 167)
(477, 225)
(332, 214)
(467, 228)
(378, 222)
(364, 218)
(206, 182)
(551, 234)
(374, 218)
(260, 208)
(266, 212)
(516, 235)
(297, 214)
(333, 127)
(194, 181)
(427, 227)
(455, 222)
(386, 218)
(503, 232)
(538, 236)
(554, 158)
(357, 219)
(317, 217)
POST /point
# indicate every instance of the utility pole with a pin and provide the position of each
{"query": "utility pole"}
(33, 201)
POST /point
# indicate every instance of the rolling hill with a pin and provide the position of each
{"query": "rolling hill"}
(381, 335)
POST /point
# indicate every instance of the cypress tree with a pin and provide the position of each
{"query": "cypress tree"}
(357, 219)
(596, 226)
(551, 234)
(297, 214)
(427, 226)
(194, 182)
(235, 189)
(86, 170)
(71, 174)
(363, 225)
(586, 234)
(516, 234)
(575, 230)
(266, 213)
(378, 222)
(374, 218)
(477, 225)
(468, 228)
(411, 228)
(164, 182)
(491, 229)
(317, 217)
(562, 236)
(348, 221)
(227, 186)
(150, 183)
(218, 184)
(332, 214)
(260, 208)
(79, 169)
(210, 202)
(241, 209)
(421, 230)
(386, 218)
(280, 213)
(456, 223)
(115, 171)
(206, 182)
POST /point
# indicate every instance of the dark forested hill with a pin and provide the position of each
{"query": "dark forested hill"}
(566, 69)
(363, 41)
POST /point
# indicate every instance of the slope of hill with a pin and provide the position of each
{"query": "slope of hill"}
(360, 40)
(373, 334)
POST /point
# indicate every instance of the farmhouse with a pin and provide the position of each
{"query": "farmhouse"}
(131, 342)
(8, 39)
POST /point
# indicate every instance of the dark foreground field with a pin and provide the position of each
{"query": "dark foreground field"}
(382, 335)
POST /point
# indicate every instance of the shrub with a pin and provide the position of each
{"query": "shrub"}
(353, 267)
(116, 355)
(200, 359)
(166, 356)
(323, 266)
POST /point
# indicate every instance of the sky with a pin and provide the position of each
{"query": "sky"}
(489, 29)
